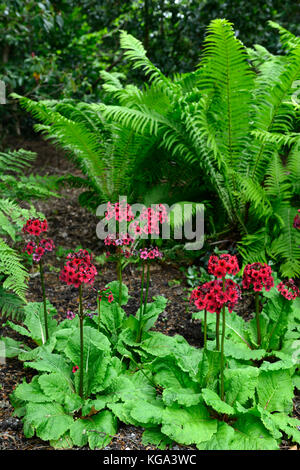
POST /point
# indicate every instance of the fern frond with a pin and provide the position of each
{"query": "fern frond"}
(13, 270)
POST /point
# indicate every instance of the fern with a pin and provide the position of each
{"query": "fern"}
(13, 270)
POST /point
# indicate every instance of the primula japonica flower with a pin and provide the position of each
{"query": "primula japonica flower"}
(296, 223)
(122, 240)
(150, 253)
(211, 296)
(258, 276)
(78, 269)
(221, 265)
(288, 289)
(75, 369)
(35, 227)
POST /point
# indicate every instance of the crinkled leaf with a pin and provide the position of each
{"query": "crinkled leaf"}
(97, 430)
(188, 425)
(214, 401)
(275, 390)
(220, 440)
(240, 384)
(49, 420)
(250, 434)
(155, 437)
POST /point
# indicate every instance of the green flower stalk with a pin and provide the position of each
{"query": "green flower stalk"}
(257, 309)
(44, 300)
(222, 347)
(81, 317)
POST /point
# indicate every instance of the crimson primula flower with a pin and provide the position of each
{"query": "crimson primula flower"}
(78, 269)
(35, 227)
(258, 276)
(211, 296)
(150, 253)
(288, 289)
(222, 265)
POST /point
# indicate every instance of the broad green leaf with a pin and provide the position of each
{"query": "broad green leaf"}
(97, 430)
(186, 356)
(220, 440)
(188, 425)
(34, 320)
(147, 413)
(56, 386)
(275, 390)
(250, 434)
(31, 392)
(290, 426)
(111, 319)
(214, 401)
(96, 357)
(155, 437)
(239, 384)
(49, 420)
(64, 442)
(134, 386)
(178, 386)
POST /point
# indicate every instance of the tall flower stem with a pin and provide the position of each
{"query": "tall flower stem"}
(257, 308)
(44, 300)
(205, 328)
(218, 332)
(81, 343)
(99, 306)
(147, 288)
(222, 348)
(119, 269)
(138, 339)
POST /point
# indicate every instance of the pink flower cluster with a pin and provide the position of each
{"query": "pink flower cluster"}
(222, 265)
(78, 269)
(150, 253)
(288, 289)
(123, 239)
(35, 227)
(259, 276)
(119, 211)
(211, 296)
(38, 250)
(296, 223)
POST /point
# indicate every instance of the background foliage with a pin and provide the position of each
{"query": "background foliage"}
(57, 48)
